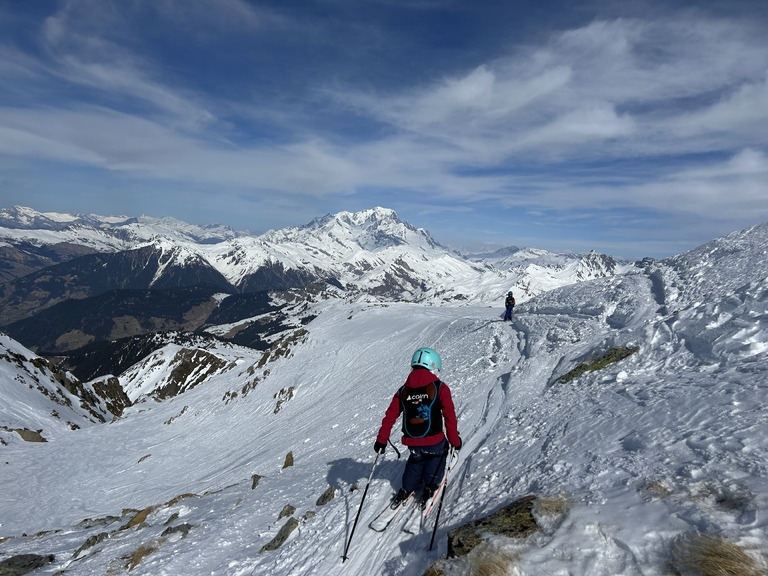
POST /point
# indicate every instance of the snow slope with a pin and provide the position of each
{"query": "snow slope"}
(669, 440)
(35, 398)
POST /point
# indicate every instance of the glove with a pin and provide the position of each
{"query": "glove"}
(379, 447)
(457, 448)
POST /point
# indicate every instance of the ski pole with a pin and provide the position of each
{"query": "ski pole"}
(360, 509)
(394, 448)
(442, 497)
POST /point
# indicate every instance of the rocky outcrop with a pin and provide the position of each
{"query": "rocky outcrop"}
(27, 435)
(23, 564)
(115, 398)
(182, 529)
(326, 496)
(281, 536)
(190, 368)
(515, 520)
(91, 542)
(287, 511)
(282, 397)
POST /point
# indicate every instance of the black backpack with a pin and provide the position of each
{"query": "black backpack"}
(422, 412)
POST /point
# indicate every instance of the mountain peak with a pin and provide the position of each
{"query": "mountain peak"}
(22, 217)
(361, 219)
(370, 216)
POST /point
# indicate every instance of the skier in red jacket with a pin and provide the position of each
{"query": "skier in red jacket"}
(425, 402)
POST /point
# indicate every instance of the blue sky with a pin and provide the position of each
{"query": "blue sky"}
(635, 129)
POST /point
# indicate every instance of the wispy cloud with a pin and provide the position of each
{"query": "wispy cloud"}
(624, 80)
(665, 115)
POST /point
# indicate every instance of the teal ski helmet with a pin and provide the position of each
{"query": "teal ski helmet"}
(427, 358)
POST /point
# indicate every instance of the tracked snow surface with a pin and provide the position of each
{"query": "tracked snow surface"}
(671, 439)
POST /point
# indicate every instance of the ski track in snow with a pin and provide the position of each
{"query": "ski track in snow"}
(685, 413)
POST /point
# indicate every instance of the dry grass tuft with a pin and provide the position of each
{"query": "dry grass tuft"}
(434, 570)
(139, 518)
(492, 567)
(712, 555)
(551, 511)
(659, 487)
(179, 498)
(142, 552)
(554, 505)
(487, 560)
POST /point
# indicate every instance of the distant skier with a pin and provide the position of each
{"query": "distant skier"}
(510, 304)
(425, 402)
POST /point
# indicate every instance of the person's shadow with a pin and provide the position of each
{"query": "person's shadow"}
(347, 474)
(351, 476)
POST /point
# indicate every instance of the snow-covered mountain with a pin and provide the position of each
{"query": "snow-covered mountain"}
(371, 252)
(102, 233)
(535, 271)
(649, 456)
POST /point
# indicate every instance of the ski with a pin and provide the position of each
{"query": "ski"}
(419, 517)
(414, 523)
(388, 515)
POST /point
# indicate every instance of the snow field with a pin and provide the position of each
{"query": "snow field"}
(669, 440)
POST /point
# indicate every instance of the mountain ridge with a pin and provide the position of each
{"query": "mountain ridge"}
(371, 251)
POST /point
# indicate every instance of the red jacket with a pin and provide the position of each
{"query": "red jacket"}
(421, 378)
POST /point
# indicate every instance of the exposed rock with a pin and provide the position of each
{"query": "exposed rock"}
(288, 460)
(327, 496)
(179, 415)
(91, 542)
(99, 401)
(191, 367)
(282, 397)
(183, 528)
(515, 520)
(23, 564)
(309, 514)
(89, 523)
(282, 536)
(30, 435)
(256, 478)
(288, 510)
(113, 394)
(172, 519)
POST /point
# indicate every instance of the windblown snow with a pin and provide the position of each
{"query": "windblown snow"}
(670, 440)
